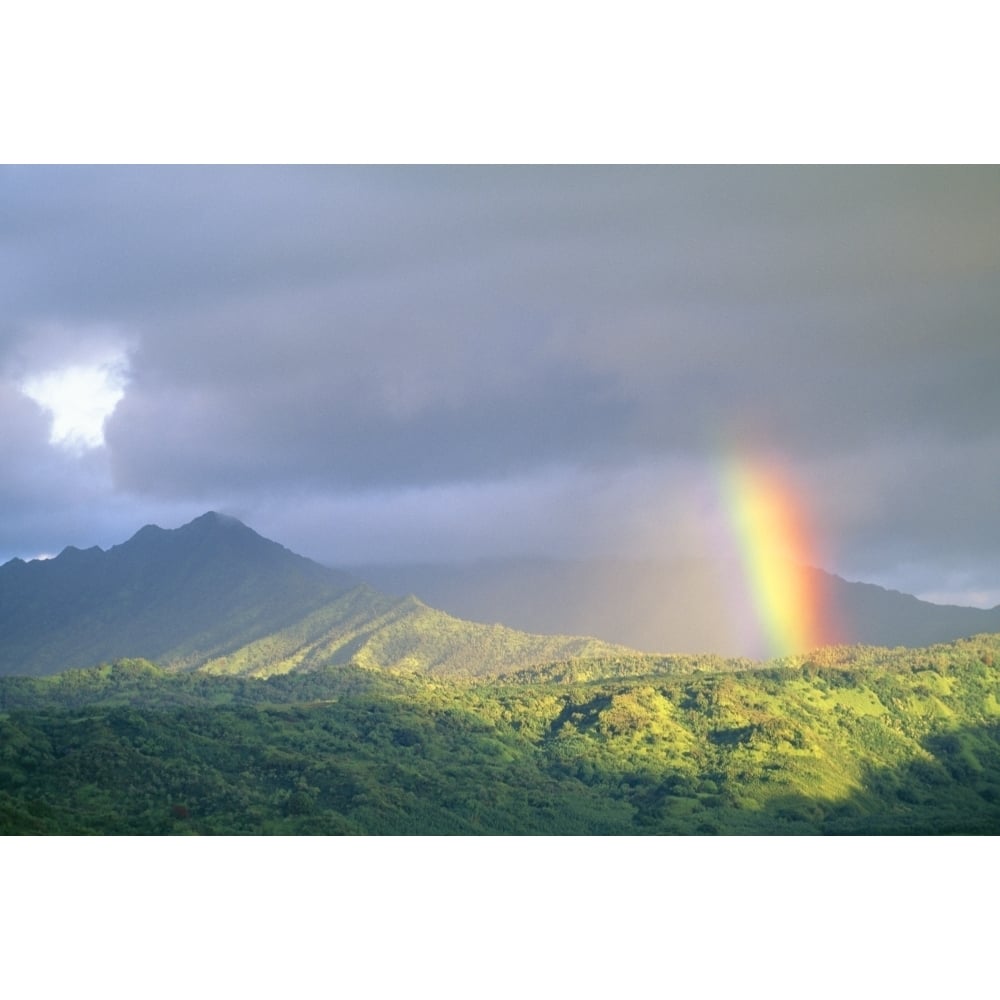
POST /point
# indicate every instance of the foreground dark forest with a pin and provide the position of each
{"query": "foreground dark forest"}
(851, 741)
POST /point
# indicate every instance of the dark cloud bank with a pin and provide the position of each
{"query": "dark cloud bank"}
(427, 363)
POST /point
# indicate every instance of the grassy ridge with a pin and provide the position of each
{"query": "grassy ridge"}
(371, 630)
(854, 741)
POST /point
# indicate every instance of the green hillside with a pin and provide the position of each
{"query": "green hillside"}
(366, 629)
(854, 740)
(287, 698)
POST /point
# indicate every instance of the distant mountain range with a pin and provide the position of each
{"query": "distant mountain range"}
(215, 595)
(663, 607)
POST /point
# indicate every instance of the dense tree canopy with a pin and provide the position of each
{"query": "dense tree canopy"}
(850, 740)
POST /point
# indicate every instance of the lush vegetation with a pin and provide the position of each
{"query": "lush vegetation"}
(850, 741)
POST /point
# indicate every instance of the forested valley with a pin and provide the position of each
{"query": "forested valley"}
(847, 740)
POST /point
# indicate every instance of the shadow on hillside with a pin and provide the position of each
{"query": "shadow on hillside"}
(953, 790)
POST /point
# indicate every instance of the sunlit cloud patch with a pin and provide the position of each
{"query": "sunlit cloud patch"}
(79, 398)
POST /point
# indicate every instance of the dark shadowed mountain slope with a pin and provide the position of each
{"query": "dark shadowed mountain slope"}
(176, 596)
(214, 594)
(880, 617)
(663, 607)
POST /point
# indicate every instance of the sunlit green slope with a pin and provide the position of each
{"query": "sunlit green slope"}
(371, 630)
(856, 741)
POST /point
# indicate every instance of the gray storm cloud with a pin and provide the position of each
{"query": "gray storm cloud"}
(378, 342)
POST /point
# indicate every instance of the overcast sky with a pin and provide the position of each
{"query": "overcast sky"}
(427, 363)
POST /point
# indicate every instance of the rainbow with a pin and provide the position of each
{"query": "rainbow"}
(777, 550)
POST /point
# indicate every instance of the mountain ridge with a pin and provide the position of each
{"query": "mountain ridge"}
(167, 594)
(662, 607)
(213, 594)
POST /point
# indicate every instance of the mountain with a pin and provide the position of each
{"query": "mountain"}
(880, 617)
(667, 607)
(214, 594)
(175, 596)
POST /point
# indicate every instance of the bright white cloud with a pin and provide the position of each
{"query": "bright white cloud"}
(79, 398)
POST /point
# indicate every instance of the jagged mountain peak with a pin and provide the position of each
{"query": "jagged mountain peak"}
(168, 594)
(211, 522)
